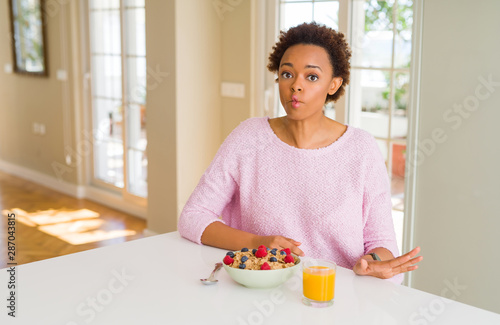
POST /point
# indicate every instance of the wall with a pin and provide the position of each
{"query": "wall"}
(26, 100)
(457, 218)
(161, 125)
(198, 78)
(236, 60)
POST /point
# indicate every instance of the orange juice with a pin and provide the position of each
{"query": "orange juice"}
(319, 283)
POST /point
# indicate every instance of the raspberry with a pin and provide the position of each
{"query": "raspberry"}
(261, 252)
(262, 247)
(289, 259)
(287, 251)
(228, 260)
(265, 266)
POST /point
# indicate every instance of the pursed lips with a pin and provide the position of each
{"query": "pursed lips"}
(295, 101)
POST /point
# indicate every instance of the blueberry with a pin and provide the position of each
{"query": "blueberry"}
(273, 259)
(273, 252)
(244, 249)
(283, 253)
(242, 266)
(244, 259)
(254, 250)
(230, 254)
(268, 249)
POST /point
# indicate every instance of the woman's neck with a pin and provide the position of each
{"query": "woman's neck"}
(312, 133)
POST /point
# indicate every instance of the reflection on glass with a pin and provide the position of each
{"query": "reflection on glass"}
(293, 14)
(327, 13)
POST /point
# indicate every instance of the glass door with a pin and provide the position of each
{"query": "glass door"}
(118, 91)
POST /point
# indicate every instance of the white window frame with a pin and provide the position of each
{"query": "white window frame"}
(97, 189)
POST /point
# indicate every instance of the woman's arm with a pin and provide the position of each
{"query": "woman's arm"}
(220, 235)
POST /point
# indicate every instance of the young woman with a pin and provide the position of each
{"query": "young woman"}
(301, 181)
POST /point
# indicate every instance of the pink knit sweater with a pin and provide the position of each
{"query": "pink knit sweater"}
(334, 200)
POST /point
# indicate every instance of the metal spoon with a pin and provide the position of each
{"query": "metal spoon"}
(211, 279)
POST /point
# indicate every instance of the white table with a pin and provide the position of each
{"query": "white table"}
(155, 280)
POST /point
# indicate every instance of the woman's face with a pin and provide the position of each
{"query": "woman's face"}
(305, 79)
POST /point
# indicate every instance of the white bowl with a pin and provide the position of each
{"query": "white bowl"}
(262, 278)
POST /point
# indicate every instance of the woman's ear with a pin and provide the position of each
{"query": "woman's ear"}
(335, 85)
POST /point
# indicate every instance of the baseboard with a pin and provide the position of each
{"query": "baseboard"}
(43, 179)
(103, 197)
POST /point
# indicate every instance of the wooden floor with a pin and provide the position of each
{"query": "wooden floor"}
(50, 224)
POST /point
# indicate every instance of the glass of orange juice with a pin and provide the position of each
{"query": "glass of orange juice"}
(318, 278)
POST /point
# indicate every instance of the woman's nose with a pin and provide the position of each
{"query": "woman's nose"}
(297, 85)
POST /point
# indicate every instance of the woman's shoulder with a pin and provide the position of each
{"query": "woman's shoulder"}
(251, 125)
(361, 139)
(248, 133)
(247, 129)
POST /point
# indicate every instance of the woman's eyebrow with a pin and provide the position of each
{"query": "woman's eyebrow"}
(307, 66)
(314, 66)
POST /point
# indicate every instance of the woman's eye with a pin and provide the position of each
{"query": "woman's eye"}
(312, 77)
(286, 75)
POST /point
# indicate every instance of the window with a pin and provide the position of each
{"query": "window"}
(377, 97)
(118, 70)
(379, 90)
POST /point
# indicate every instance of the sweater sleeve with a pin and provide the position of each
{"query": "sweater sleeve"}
(213, 192)
(378, 228)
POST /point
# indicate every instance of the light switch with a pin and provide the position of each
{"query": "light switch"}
(62, 75)
(232, 89)
(7, 68)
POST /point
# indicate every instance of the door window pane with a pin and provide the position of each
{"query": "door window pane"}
(108, 162)
(107, 76)
(119, 121)
(373, 33)
(293, 14)
(136, 31)
(105, 31)
(399, 125)
(404, 24)
(136, 81)
(327, 13)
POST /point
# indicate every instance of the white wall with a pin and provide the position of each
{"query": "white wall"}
(184, 108)
(198, 78)
(457, 213)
